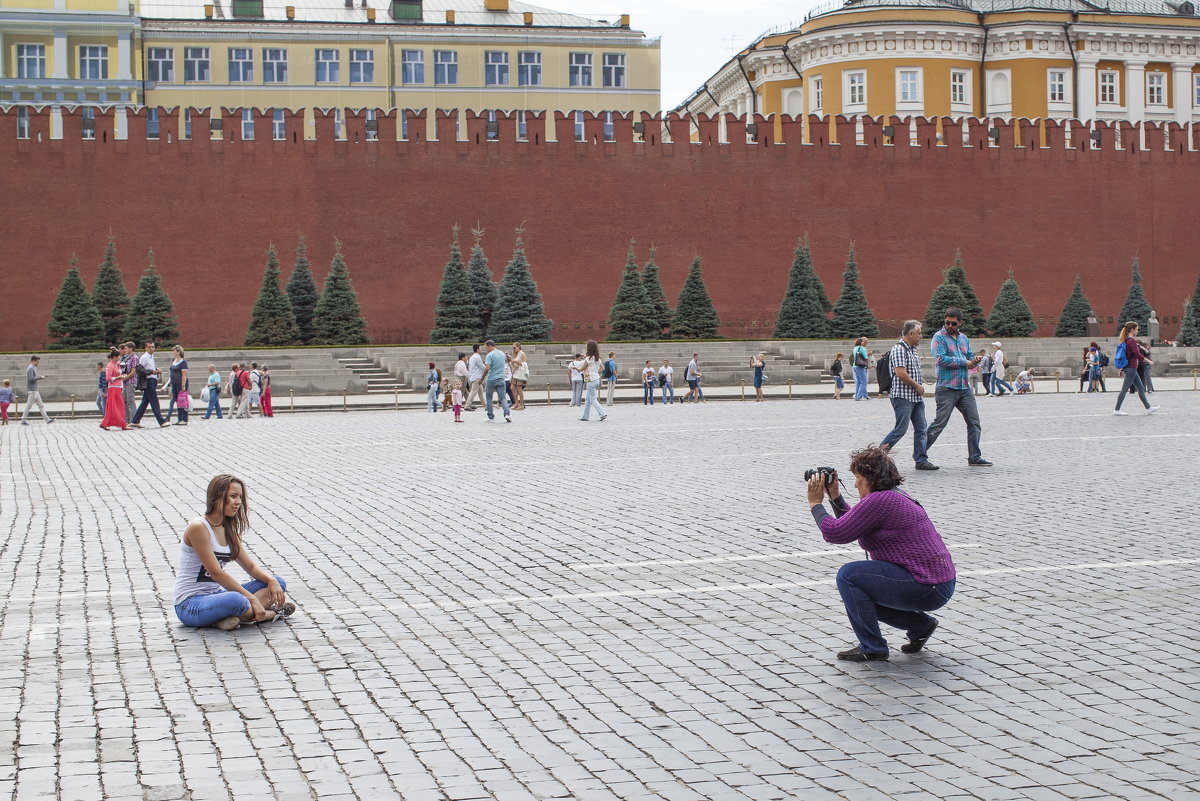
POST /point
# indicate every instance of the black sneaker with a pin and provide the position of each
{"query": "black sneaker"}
(979, 463)
(928, 466)
(857, 654)
(915, 644)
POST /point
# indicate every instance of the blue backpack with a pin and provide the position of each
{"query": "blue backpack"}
(1120, 358)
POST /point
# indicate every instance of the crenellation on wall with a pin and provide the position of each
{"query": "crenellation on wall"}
(906, 137)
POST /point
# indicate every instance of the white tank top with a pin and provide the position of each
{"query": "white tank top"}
(192, 578)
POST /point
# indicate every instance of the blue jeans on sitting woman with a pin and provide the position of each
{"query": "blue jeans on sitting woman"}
(204, 610)
(875, 591)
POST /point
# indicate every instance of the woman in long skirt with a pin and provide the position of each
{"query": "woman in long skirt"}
(114, 409)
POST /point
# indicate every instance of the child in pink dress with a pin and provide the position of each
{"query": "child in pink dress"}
(458, 401)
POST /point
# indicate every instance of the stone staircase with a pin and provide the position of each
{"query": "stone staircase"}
(376, 377)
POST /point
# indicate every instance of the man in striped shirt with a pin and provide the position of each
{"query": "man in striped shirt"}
(952, 352)
(908, 394)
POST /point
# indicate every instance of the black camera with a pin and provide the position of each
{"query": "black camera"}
(827, 472)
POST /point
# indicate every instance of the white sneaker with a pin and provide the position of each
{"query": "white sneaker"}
(1119, 412)
(1152, 410)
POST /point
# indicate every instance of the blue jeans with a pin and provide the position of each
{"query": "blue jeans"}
(576, 392)
(647, 393)
(498, 388)
(860, 383)
(947, 401)
(1132, 379)
(987, 383)
(149, 398)
(668, 392)
(101, 400)
(907, 410)
(431, 399)
(593, 388)
(998, 384)
(214, 402)
(875, 591)
(204, 610)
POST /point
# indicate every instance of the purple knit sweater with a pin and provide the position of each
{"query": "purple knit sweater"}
(891, 527)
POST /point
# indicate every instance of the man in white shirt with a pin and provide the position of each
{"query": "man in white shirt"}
(150, 393)
(693, 379)
(666, 380)
(1000, 372)
(475, 376)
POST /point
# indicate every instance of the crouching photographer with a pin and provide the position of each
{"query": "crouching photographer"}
(908, 571)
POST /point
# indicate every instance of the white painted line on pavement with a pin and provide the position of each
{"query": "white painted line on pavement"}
(713, 560)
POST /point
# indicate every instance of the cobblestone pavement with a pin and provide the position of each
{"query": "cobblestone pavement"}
(639, 609)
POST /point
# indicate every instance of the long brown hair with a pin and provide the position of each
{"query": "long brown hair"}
(593, 350)
(1127, 331)
(218, 488)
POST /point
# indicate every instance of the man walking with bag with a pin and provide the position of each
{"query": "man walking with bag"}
(150, 372)
(907, 394)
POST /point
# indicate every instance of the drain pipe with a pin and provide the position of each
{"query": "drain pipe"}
(983, 70)
(1074, 66)
(753, 94)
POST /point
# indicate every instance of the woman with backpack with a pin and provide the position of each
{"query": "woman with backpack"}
(859, 359)
(1127, 360)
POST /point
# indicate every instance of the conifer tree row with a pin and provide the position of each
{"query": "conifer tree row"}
(802, 315)
(1011, 315)
(1136, 306)
(852, 317)
(456, 317)
(482, 284)
(632, 314)
(657, 297)
(303, 294)
(1074, 318)
(695, 316)
(519, 315)
(1189, 333)
(109, 294)
(338, 319)
(948, 295)
(75, 322)
(271, 320)
(151, 315)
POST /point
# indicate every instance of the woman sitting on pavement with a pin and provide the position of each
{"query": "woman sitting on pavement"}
(205, 593)
(909, 571)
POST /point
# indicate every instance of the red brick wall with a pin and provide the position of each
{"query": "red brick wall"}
(210, 209)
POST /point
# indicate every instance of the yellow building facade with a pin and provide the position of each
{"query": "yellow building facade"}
(1123, 60)
(320, 54)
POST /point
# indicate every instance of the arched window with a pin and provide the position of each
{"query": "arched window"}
(1000, 93)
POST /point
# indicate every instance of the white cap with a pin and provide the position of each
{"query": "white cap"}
(995, 344)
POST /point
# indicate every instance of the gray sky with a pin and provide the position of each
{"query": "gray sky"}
(698, 36)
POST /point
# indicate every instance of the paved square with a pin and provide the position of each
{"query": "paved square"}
(639, 609)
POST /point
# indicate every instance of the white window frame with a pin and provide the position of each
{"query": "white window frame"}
(1113, 84)
(495, 68)
(910, 94)
(1196, 89)
(579, 70)
(241, 65)
(372, 116)
(153, 123)
(93, 62)
(529, 68)
(31, 55)
(327, 63)
(160, 64)
(1056, 86)
(854, 91)
(362, 66)
(88, 122)
(445, 67)
(610, 131)
(22, 122)
(412, 67)
(197, 64)
(961, 80)
(818, 93)
(1156, 83)
(278, 125)
(580, 129)
(248, 124)
(614, 70)
(275, 65)
(522, 127)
